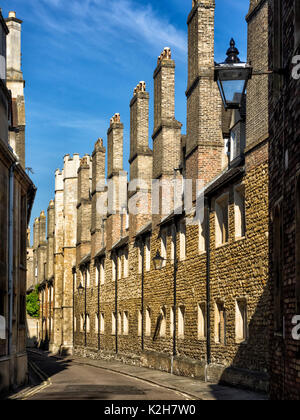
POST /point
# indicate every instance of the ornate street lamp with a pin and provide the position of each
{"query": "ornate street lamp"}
(158, 261)
(80, 290)
(232, 77)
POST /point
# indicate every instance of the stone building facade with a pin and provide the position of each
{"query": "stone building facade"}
(284, 122)
(17, 195)
(204, 313)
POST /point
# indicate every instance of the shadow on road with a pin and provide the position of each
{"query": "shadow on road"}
(44, 366)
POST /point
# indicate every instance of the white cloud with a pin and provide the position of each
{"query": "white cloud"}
(109, 25)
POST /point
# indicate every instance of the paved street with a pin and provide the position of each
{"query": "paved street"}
(53, 378)
(69, 380)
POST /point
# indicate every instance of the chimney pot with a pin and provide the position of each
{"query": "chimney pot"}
(12, 14)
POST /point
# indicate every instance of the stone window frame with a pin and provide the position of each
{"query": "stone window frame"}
(82, 322)
(202, 234)
(181, 321)
(172, 319)
(173, 239)
(140, 323)
(102, 274)
(219, 303)
(148, 253)
(277, 275)
(140, 257)
(241, 321)
(163, 324)
(125, 258)
(113, 267)
(88, 276)
(221, 230)
(125, 323)
(202, 321)
(120, 323)
(148, 322)
(96, 323)
(182, 240)
(102, 323)
(240, 222)
(97, 273)
(120, 263)
(88, 324)
(113, 323)
(164, 245)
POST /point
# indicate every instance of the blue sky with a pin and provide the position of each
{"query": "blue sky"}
(82, 59)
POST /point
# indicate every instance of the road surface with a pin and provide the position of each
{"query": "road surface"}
(69, 380)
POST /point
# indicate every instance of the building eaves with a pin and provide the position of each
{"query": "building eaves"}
(121, 243)
(227, 177)
(85, 260)
(147, 229)
(101, 253)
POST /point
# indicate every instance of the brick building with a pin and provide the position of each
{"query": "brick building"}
(17, 194)
(204, 313)
(284, 121)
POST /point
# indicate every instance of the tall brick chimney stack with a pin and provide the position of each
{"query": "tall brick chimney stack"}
(141, 156)
(50, 239)
(15, 83)
(42, 249)
(42, 231)
(36, 240)
(59, 260)
(98, 194)
(115, 146)
(36, 233)
(204, 143)
(70, 178)
(167, 130)
(84, 208)
(257, 121)
(116, 176)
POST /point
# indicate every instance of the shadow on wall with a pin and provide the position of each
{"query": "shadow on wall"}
(32, 332)
(250, 367)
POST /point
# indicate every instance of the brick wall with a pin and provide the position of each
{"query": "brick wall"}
(283, 171)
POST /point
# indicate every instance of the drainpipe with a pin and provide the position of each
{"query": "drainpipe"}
(175, 299)
(73, 320)
(11, 254)
(85, 308)
(208, 338)
(143, 281)
(116, 301)
(99, 316)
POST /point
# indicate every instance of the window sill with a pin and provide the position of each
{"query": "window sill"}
(240, 238)
(202, 253)
(218, 246)
(241, 342)
(202, 339)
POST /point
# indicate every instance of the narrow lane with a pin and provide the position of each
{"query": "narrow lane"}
(72, 381)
